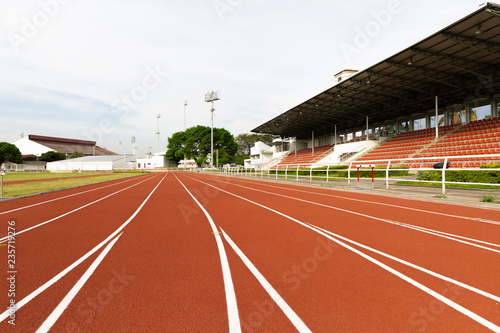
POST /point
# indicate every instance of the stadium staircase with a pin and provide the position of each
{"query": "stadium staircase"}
(305, 156)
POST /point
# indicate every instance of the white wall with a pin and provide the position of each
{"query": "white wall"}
(28, 147)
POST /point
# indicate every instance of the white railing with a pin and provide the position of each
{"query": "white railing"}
(411, 165)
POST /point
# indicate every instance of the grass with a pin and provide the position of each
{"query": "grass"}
(18, 176)
(16, 190)
(441, 196)
(480, 187)
(489, 198)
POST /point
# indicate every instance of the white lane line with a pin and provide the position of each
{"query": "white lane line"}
(67, 196)
(3, 239)
(56, 278)
(232, 305)
(420, 286)
(58, 311)
(375, 203)
(404, 262)
(287, 310)
(409, 226)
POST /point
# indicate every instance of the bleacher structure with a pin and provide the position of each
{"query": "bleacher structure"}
(305, 156)
(476, 138)
(454, 71)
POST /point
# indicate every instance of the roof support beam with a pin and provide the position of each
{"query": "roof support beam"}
(474, 42)
(452, 63)
(405, 83)
(421, 72)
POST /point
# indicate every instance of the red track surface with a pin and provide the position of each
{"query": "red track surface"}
(164, 272)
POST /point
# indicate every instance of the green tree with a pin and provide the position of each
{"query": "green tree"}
(246, 141)
(195, 143)
(75, 154)
(9, 152)
(52, 156)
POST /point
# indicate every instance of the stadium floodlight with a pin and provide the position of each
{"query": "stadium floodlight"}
(211, 97)
(158, 134)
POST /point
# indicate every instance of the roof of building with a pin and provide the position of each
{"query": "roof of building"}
(459, 63)
(68, 146)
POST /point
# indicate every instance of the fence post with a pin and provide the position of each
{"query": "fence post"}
(444, 175)
(349, 175)
(276, 173)
(298, 166)
(311, 175)
(358, 174)
(328, 168)
(373, 178)
(286, 172)
(387, 175)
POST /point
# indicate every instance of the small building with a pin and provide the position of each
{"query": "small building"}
(93, 163)
(187, 164)
(152, 161)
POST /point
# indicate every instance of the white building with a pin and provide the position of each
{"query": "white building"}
(262, 154)
(153, 161)
(93, 163)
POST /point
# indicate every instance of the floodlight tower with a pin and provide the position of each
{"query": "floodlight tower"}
(185, 104)
(158, 133)
(132, 140)
(211, 97)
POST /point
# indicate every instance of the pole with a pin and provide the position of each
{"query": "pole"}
(212, 138)
(366, 128)
(185, 103)
(1, 190)
(313, 143)
(436, 118)
(335, 140)
(295, 146)
(373, 179)
(358, 176)
(158, 134)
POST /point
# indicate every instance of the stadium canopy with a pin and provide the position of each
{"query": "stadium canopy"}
(459, 63)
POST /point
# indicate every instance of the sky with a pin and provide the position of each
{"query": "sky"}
(103, 70)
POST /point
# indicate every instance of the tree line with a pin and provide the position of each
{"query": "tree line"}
(195, 143)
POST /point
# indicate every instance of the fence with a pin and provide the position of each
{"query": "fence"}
(374, 168)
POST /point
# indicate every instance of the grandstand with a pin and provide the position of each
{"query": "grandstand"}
(396, 104)
(306, 156)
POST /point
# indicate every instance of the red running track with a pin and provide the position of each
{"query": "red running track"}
(142, 255)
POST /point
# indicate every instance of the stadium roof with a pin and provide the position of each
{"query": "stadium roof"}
(459, 63)
(68, 146)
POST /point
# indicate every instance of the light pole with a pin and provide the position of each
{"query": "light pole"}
(211, 97)
(185, 104)
(158, 133)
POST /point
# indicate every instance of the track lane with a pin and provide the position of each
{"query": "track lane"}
(448, 256)
(268, 200)
(479, 222)
(49, 250)
(172, 271)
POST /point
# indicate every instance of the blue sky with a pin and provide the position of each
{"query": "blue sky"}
(103, 70)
